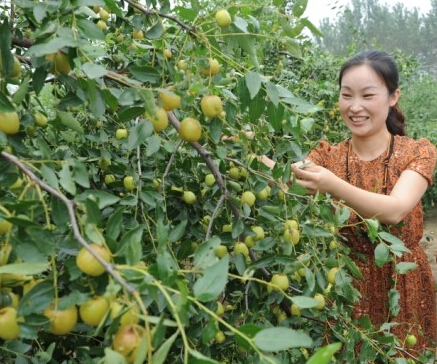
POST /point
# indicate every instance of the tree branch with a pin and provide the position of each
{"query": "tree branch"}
(220, 182)
(71, 205)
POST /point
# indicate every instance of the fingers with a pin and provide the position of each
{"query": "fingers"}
(300, 172)
(305, 179)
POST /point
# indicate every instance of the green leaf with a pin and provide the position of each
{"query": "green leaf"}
(104, 199)
(166, 265)
(249, 331)
(293, 48)
(257, 107)
(177, 232)
(113, 357)
(113, 228)
(272, 93)
(237, 228)
(80, 174)
(149, 100)
(156, 31)
(37, 299)
(93, 215)
(204, 256)
(24, 268)
(90, 29)
(373, 227)
(29, 253)
(69, 121)
(93, 70)
(382, 254)
(7, 58)
(281, 338)
(145, 74)
(66, 179)
(110, 100)
(393, 299)
(161, 354)
(215, 129)
(39, 78)
(353, 268)
(324, 354)
(389, 238)
(141, 351)
(161, 234)
(22, 91)
(52, 46)
(275, 114)
(293, 31)
(304, 301)
(94, 234)
(139, 134)
(127, 98)
(213, 281)
(404, 267)
(299, 8)
(153, 145)
(311, 27)
(131, 245)
(59, 212)
(5, 104)
(129, 113)
(398, 250)
(198, 358)
(253, 83)
(96, 100)
(307, 124)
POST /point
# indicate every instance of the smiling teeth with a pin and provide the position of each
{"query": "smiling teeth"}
(357, 120)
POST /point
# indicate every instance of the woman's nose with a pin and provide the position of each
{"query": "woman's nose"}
(355, 106)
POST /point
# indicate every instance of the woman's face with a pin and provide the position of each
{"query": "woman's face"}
(365, 101)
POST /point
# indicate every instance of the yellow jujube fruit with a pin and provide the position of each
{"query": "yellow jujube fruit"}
(190, 130)
(9, 122)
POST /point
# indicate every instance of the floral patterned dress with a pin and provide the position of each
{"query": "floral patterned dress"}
(416, 288)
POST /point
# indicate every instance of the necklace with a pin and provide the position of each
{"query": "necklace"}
(386, 161)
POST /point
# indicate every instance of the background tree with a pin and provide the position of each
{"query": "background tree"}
(367, 23)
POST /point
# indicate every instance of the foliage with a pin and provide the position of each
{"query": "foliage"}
(417, 95)
(64, 187)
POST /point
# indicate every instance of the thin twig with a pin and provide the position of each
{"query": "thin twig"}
(170, 162)
(147, 12)
(214, 214)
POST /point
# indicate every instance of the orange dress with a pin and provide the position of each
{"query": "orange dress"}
(416, 288)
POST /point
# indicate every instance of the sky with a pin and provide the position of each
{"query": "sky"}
(320, 9)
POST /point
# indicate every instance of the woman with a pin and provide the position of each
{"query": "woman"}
(380, 173)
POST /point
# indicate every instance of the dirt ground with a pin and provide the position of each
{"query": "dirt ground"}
(429, 240)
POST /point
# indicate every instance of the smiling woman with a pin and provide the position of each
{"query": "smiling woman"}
(380, 173)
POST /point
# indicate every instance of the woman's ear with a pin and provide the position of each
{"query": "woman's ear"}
(394, 97)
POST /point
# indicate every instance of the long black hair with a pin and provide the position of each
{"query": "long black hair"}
(385, 66)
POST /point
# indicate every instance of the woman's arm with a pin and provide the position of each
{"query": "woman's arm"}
(389, 209)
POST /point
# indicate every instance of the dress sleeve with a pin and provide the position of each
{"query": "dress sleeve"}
(318, 155)
(424, 157)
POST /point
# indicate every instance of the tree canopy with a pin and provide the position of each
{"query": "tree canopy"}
(369, 23)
